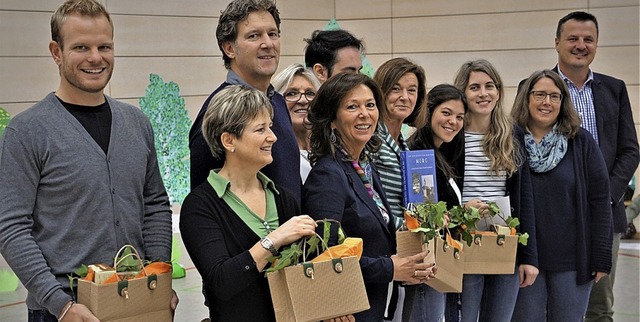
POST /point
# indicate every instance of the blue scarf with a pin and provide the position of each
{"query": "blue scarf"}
(546, 155)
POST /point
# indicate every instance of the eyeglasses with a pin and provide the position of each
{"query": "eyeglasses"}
(541, 96)
(295, 96)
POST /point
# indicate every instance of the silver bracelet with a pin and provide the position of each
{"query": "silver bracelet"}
(66, 309)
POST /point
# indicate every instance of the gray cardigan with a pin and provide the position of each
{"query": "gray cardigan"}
(64, 203)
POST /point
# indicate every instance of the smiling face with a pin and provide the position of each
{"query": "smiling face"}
(401, 100)
(356, 119)
(256, 52)
(447, 120)
(298, 110)
(482, 94)
(543, 114)
(255, 143)
(577, 44)
(86, 61)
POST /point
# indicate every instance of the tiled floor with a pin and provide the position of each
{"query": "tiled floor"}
(627, 286)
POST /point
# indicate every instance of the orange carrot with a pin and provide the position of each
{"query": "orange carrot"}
(155, 268)
(411, 222)
(90, 275)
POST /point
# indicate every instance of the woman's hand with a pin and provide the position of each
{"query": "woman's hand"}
(292, 230)
(482, 207)
(344, 318)
(411, 269)
(528, 274)
(599, 275)
(78, 313)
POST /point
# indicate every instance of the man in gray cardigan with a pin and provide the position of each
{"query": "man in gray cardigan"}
(79, 176)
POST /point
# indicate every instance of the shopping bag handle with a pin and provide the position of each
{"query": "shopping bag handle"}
(134, 254)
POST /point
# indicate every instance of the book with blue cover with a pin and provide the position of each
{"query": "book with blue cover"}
(418, 176)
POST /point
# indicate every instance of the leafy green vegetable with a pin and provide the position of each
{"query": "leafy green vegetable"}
(293, 254)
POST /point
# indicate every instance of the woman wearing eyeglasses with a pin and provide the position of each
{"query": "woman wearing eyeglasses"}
(571, 201)
(298, 85)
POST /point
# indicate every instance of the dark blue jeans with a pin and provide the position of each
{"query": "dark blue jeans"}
(554, 297)
(489, 297)
(428, 304)
(41, 316)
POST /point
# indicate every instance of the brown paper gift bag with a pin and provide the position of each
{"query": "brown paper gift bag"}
(318, 291)
(448, 259)
(144, 299)
(491, 253)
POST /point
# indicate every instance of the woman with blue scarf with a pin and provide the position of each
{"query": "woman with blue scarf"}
(571, 201)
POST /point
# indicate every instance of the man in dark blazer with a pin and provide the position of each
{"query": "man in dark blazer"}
(248, 35)
(603, 104)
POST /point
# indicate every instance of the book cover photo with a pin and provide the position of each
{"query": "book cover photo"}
(419, 176)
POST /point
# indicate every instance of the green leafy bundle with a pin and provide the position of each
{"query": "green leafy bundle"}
(295, 254)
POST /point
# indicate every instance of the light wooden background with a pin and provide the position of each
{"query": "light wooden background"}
(176, 39)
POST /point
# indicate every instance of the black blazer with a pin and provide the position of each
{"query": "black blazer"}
(617, 139)
(334, 190)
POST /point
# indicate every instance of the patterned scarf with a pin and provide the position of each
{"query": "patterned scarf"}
(546, 155)
(365, 177)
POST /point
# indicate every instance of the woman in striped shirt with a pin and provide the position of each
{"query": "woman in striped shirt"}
(492, 167)
(403, 84)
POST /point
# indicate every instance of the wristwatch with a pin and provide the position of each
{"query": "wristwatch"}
(267, 244)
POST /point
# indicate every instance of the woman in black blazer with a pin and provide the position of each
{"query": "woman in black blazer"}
(344, 186)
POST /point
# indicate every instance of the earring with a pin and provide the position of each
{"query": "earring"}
(233, 149)
(333, 137)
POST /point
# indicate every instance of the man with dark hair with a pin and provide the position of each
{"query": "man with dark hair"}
(79, 175)
(329, 52)
(604, 108)
(248, 35)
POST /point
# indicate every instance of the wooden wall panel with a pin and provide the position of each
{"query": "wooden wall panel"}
(612, 3)
(618, 26)
(363, 9)
(195, 8)
(293, 33)
(194, 75)
(30, 5)
(376, 33)
(480, 32)
(165, 36)
(313, 10)
(413, 8)
(24, 33)
(27, 79)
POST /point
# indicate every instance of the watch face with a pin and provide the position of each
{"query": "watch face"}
(267, 244)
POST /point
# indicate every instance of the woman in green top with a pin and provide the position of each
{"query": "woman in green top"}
(232, 223)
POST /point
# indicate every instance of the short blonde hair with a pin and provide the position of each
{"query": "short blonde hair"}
(230, 111)
(89, 8)
(284, 78)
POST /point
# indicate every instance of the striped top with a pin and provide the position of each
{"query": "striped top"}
(479, 182)
(388, 165)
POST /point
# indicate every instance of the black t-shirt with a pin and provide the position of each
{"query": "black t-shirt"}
(95, 119)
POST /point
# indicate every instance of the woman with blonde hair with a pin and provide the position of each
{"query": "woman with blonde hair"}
(492, 166)
(298, 85)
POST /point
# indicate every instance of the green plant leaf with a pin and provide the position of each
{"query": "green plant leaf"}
(523, 238)
(512, 222)
(312, 243)
(82, 271)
